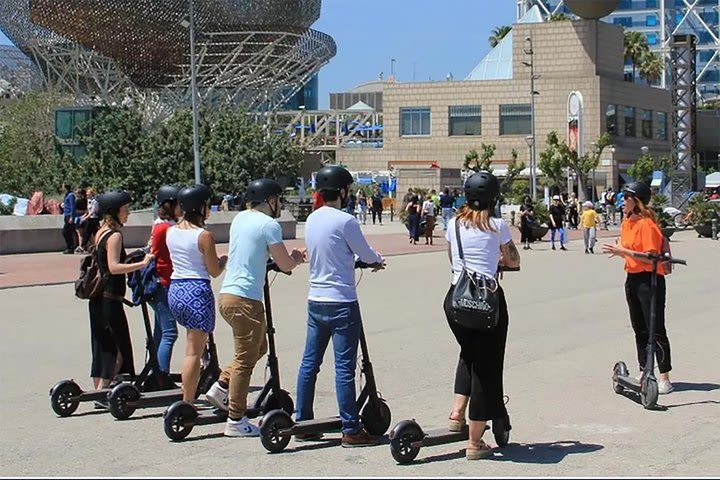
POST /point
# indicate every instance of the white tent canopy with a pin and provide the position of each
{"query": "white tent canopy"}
(712, 180)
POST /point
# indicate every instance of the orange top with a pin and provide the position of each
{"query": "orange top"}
(642, 235)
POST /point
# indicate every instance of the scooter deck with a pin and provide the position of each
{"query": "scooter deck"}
(441, 436)
(160, 398)
(629, 383)
(317, 425)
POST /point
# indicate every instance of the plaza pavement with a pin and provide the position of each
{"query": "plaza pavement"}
(568, 326)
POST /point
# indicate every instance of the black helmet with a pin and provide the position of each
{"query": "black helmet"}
(639, 190)
(260, 190)
(193, 199)
(167, 193)
(332, 177)
(109, 203)
(481, 190)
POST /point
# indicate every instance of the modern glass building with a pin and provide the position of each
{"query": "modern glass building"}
(659, 20)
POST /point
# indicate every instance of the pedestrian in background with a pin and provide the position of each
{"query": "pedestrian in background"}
(589, 222)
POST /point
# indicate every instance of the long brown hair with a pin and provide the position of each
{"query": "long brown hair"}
(479, 219)
(644, 211)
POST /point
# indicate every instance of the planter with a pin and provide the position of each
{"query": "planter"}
(704, 230)
(668, 232)
(538, 232)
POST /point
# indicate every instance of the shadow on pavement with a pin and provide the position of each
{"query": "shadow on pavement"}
(695, 387)
(207, 436)
(327, 443)
(543, 453)
(701, 402)
(142, 417)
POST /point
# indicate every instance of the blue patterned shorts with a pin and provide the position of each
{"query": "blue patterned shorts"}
(192, 304)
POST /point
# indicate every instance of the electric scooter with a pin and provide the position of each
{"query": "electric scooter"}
(647, 387)
(277, 427)
(407, 437)
(181, 417)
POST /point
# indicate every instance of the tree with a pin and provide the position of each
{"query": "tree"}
(480, 162)
(635, 47)
(558, 17)
(29, 158)
(552, 161)
(513, 171)
(498, 34)
(646, 164)
(652, 67)
(583, 165)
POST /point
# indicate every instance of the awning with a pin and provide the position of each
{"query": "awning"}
(657, 179)
(712, 180)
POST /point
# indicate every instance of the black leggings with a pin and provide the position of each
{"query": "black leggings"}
(525, 233)
(92, 225)
(479, 373)
(377, 212)
(109, 335)
(637, 293)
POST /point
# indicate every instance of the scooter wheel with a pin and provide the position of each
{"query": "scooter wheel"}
(61, 398)
(403, 442)
(649, 392)
(376, 417)
(121, 401)
(179, 420)
(271, 432)
(501, 431)
(619, 370)
(280, 401)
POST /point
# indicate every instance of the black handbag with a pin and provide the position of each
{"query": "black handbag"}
(475, 299)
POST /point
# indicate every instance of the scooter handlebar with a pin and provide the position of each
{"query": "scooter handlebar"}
(659, 257)
(272, 266)
(361, 264)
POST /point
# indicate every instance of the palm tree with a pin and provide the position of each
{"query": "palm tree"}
(651, 67)
(498, 34)
(635, 46)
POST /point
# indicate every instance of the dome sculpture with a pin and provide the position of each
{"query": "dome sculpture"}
(592, 9)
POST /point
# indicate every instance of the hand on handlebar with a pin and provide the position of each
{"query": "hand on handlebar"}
(299, 255)
(375, 267)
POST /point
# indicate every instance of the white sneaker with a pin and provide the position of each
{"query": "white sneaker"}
(665, 387)
(241, 428)
(218, 396)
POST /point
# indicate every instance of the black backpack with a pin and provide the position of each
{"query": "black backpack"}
(91, 282)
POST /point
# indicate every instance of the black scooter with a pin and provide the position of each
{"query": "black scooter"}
(648, 386)
(407, 437)
(66, 395)
(278, 427)
(181, 417)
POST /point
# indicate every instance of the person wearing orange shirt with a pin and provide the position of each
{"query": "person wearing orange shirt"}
(640, 233)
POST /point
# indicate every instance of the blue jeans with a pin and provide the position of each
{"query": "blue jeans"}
(341, 322)
(447, 214)
(562, 235)
(165, 332)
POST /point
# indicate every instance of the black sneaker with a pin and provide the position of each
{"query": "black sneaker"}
(562, 247)
(592, 251)
(553, 247)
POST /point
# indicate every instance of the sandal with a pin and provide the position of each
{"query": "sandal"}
(456, 425)
(484, 451)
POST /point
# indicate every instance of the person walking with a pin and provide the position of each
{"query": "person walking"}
(362, 205)
(91, 219)
(69, 214)
(486, 244)
(377, 206)
(557, 214)
(428, 215)
(639, 232)
(447, 200)
(573, 211)
(413, 219)
(190, 296)
(527, 219)
(589, 222)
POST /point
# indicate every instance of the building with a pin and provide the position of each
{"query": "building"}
(370, 93)
(430, 126)
(700, 18)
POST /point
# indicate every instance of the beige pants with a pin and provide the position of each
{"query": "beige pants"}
(247, 319)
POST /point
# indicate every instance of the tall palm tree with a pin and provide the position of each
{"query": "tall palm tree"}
(498, 34)
(635, 46)
(651, 67)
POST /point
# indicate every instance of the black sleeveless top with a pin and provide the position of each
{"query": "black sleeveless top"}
(114, 284)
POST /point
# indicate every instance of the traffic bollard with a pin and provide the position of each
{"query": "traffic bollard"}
(714, 229)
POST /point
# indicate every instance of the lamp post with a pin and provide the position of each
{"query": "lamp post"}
(190, 24)
(530, 140)
(528, 50)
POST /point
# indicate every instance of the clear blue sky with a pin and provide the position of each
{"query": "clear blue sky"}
(430, 37)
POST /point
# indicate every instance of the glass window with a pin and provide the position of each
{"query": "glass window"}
(64, 124)
(646, 123)
(661, 132)
(414, 121)
(611, 119)
(465, 120)
(515, 119)
(652, 39)
(630, 130)
(651, 21)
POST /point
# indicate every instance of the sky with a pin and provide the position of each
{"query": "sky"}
(429, 39)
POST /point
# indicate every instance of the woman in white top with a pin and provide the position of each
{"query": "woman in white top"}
(486, 244)
(190, 296)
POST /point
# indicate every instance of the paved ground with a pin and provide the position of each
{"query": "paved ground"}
(568, 327)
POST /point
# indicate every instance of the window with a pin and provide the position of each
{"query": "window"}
(414, 121)
(611, 119)
(661, 133)
(652, 39)
(630, 130)
(651, 21)
(646, 123)
(515, 119)
(465, 120)
(624, 21)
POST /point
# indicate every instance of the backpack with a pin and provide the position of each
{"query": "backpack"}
(610, 197)
(91, 282)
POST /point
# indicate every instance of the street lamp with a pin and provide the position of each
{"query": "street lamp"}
(528, 50)
(530, 140)
(189, 23)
